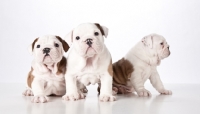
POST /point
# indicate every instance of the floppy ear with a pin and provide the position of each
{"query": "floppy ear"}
(64, 44)
(31, 46)
(103, 29)
(148, 41)
(69, 38)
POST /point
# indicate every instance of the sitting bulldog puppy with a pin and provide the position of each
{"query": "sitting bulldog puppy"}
(48, 68)
(88, 62)
(139, 64)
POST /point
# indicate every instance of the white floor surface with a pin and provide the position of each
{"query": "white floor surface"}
(184, 100)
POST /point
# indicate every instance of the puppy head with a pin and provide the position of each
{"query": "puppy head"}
(48, 49)
(88, 39)
(157, 45)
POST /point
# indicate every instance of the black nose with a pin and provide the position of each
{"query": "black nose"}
(89, 42)
(46, 50)
(168, 47)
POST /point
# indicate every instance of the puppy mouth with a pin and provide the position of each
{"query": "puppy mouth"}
(89, 49)
(46, 55)
(47, 58)
(165, 55)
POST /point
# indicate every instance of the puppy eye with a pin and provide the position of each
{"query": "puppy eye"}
(96, 33)
(77, 38)
(161, 43)
(38, 46)
(56, 45)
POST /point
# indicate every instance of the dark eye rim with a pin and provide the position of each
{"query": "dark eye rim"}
(38, 46)
(96, 33)
(161, 43)
(56, 45)
(77, 37)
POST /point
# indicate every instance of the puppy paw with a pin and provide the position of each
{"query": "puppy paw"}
(106, 98)
(114, 90)
(73, 96)
(27, 92)
(166, 92)
(144, 93)
(84, 90)
(39, 99)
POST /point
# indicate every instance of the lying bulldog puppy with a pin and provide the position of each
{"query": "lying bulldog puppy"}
(48, 68)
(88, 62)
(139, 64)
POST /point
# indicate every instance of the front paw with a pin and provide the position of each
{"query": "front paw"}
(166, 92)
(39, 99)
(144, 93)
(106, 97)
(73, 96)
(27, 92)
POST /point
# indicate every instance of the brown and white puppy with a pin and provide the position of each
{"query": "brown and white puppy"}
(139, 64)
(48, 68)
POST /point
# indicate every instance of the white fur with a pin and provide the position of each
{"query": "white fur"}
(88, 65)
(145, 56)
(46, 81)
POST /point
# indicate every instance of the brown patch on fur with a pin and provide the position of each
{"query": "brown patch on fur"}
(110, 69)
(100, 28)
(122, 70)
(65, 45)
(30, 78)
(62, 66)
(33, 44)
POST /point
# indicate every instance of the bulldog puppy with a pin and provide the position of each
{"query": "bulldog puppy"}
(89, 62)
(139, 64)
(48, 68)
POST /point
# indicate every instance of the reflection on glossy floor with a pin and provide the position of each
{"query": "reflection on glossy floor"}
(185, 100)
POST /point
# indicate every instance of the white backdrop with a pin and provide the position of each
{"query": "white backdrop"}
(21, 21)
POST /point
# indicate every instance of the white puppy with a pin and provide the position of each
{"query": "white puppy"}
(139, 64)
(48, 68)
(89, 62)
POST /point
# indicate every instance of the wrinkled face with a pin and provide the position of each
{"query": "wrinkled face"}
(162, 47)
(158, 45)
(88, 39)
(49, 49)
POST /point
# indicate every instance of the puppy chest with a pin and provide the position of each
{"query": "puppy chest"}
(89, 75)
(89, 78)
(54, 87)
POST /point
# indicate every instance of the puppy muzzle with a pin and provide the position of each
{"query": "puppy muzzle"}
(46, 51)
(89, 42)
